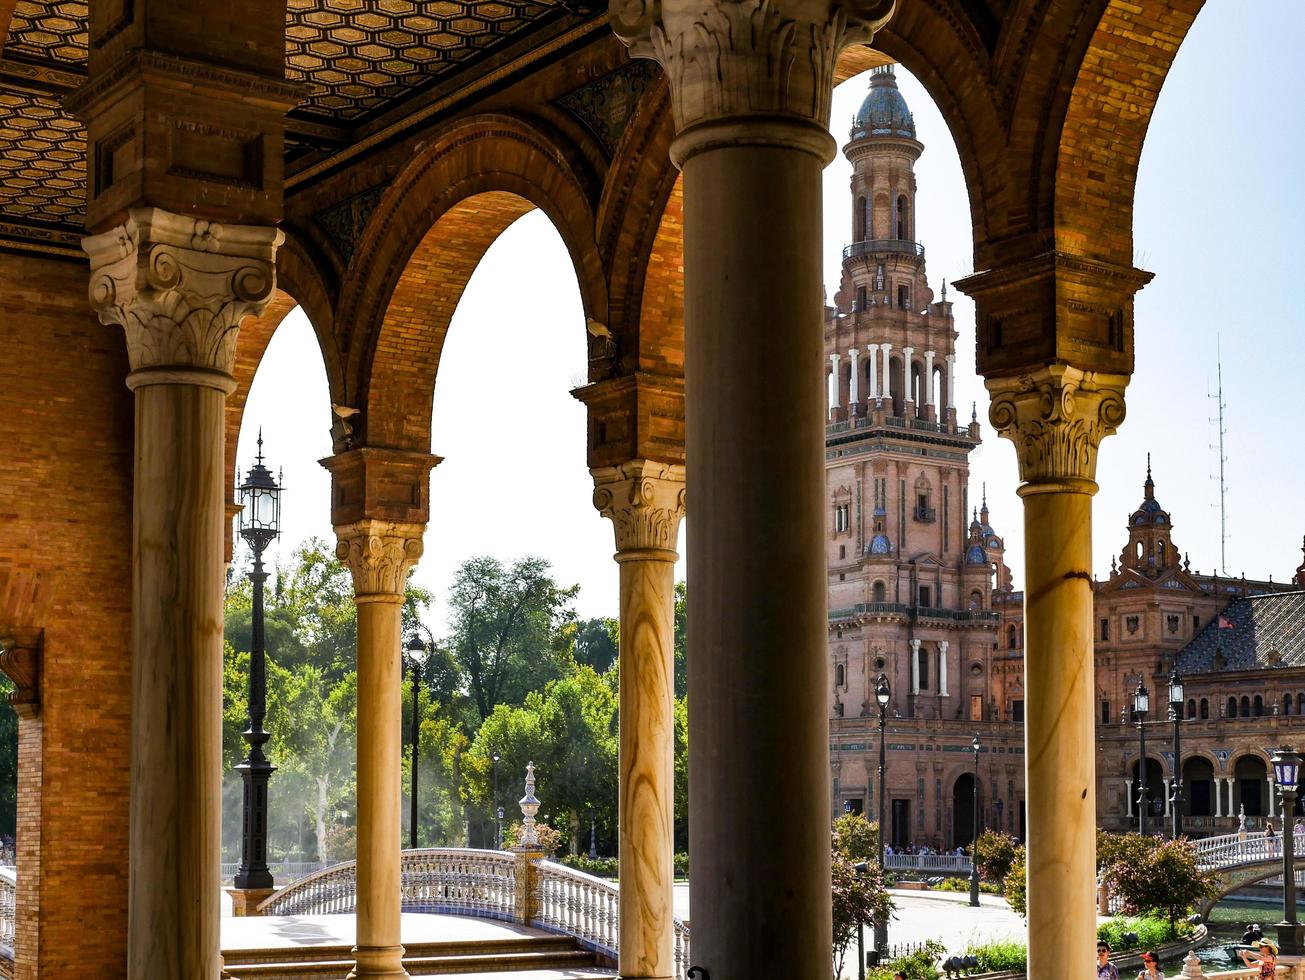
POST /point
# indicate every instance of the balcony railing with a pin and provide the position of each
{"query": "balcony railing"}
(926, 515)
(920, 612)
(895, 245)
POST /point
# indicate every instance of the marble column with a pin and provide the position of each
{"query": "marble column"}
(942, 668)
(915, 666)
(1273, 810)
(873, 351)
(179, 287)
(886, 390)
(1129, 784)
(1168, 790)
(750, 85)
(951, 381)
(854, 386)
(645, 501)
(928, 378)
(379, 555)
(1217, 785)
(834, 384)
(1057, 416)
(908, 386)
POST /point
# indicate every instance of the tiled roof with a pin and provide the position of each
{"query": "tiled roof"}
(1267, 631)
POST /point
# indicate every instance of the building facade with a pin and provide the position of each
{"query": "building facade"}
(919, 588)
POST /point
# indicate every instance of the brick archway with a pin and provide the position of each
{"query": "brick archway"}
(421, 246)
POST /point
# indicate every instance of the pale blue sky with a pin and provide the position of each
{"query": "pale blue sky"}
(1220, 210)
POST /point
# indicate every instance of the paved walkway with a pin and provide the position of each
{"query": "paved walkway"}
(278, 931)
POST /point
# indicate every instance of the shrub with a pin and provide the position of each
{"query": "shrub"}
(1130, 848)
(1016, 883)
(550, 840)
(1166, 880)
(601, 867)
(1007, 954)
(856, 838)
(993, 853)
(963, 885)
(681, 864)
(920, 965)
(1150, 931)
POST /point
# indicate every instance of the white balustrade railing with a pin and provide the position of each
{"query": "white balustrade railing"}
(8, 909)
(283, 871)
(940, 863)
(1232, 849)
(588, 908)
(437, 879)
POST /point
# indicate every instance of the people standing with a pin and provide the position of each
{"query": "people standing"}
(1105, 969)
(1266, 960)
(1150, 967)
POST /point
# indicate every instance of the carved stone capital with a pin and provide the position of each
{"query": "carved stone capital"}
(734, 59)
(379, 554)
(645, 501)
(179, 287)
(20, 660)
(1057, 416)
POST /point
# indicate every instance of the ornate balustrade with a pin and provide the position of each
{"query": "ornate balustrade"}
(939, 863)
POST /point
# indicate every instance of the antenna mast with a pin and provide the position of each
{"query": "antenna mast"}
(1223, 459)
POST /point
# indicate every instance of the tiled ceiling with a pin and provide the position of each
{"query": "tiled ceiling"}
(356, 58)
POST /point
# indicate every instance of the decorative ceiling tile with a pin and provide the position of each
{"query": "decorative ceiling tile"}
(46, 31)
(344, 222)
(42, 161)
(605, 104)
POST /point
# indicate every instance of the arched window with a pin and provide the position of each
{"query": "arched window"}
(1259, 706)
(1232, 707)
(1246, 707)
(1012, 637)
(903, 296)
(924, 670)
(860, 299)
(1286, 704)
(861, 220)
(976, 599)
(1191, 708)
(1205, 708)
(1300, 704)
(879, 592)
(1139, 551)
(903, 218)
(840, 676)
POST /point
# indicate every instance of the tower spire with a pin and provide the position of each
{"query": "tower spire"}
(1149, 486)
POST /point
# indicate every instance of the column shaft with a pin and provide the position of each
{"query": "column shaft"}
(378, 952)
(888, 385)
(1129, 784)
(942, 667)
(176, 766)
(1059, 735)
(752, 213)
(853, 392)
(873, 351)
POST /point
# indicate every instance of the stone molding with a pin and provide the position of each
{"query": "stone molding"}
(1057, 416)
(20, 660)
(179, 287)
(645, 502)
(379, 554)
(747, 58)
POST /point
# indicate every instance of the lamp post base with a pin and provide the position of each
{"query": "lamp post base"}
(245, 901)
(881, 937)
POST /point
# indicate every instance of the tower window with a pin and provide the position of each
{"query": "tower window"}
(903, 218)
(924, 596)
(1105, 712)
(879, 592)
(842, 552)
(1017, 711)
(840, 676)
(860, 219)
(842, 518)
(904, 297)
(860, 299)
(1105, 629)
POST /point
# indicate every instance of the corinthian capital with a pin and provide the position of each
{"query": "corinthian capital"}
(179, 287)
(731, 58)
(645, 501)
(1057, 417)
(379, 554)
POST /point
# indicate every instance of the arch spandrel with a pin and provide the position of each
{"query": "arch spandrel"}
(420, 247)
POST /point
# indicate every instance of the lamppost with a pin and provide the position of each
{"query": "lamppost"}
(417, 654)
(498, 810)
(974, 840)
(1176, 701)
(1141, 705)
(260, 524)
(883, 694)
(1286, 769)
(593, 835)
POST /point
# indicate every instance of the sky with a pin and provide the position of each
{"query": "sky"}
(1219, 216)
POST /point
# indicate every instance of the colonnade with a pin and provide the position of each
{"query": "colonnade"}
(917, 666)
(940, 393)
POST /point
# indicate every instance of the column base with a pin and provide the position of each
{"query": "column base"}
(245, 901)
(378, 963)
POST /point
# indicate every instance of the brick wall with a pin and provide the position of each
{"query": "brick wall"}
(65, 566)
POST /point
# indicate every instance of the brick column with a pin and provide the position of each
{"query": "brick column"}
(179, 287)
(750, 87)
(645, 501)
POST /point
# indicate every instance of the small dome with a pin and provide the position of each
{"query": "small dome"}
(975, 556)
(879, 545)
(884, 111)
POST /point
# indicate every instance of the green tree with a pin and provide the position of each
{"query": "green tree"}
(856, 838)
(681, 640)
(859, 896)
(1016, 883)
(8, 761)
(504, 619)
(1167, 881)
(994, 852)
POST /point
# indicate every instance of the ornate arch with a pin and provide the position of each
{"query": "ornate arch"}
(420, 247)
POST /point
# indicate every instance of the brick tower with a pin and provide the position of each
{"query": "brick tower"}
(910, 576)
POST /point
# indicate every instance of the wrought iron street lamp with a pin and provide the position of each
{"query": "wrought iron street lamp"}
(1176, 702)
(974, 840)
(498, 810)
(260, 524)
(1141, 705)
(883, 694)
(417, 653)
(1286, 771)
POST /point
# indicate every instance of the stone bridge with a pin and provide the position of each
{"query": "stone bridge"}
(1242, 859)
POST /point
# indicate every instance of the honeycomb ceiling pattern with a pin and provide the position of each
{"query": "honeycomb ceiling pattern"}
(359, 55)
(43, 164)
(46, 31)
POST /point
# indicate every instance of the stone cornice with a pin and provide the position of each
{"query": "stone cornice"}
(1038, 266)
(740, 59)
(179, 287)
(20, 660)
(379, 554)
(1057, 416)
(645, 501)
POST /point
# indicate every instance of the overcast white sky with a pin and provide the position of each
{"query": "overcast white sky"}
(1220, 211)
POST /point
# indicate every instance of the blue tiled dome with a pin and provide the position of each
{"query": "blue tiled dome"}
(975, 556)
(884, 111)
(879, 545)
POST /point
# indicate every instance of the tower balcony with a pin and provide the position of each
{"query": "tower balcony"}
(875, 246)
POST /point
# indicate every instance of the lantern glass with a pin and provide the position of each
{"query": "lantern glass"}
(1286, 768)
(417, 650)
(883, 693)
(1141, 699)
(1176, 696)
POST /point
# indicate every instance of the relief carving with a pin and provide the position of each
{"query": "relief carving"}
(179, 286)
(1057, 417)
(645, 501)
(747, 57)
(379, 554)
